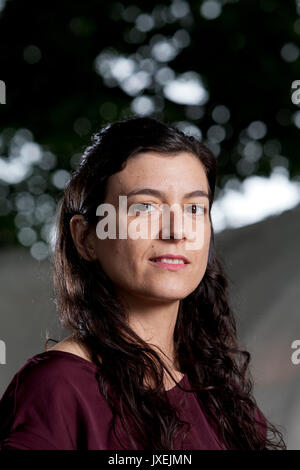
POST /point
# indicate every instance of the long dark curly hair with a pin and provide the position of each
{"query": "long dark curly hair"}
(205, 336)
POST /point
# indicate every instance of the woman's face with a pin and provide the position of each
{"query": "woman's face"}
(127, 261)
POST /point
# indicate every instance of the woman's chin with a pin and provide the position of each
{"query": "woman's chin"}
(168, 294)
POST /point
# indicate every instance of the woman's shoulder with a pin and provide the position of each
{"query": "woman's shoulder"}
(53, 391)
(54, 364)
(73, 347)
(69, 344)
(65, 360)
(53, 374)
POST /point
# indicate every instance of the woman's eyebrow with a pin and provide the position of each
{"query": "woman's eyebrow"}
(161, 194)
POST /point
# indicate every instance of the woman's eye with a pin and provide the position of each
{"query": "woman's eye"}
(147, 207)
(142, 207)
(196, 209)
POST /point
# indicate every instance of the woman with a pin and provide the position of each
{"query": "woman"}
(152, 361)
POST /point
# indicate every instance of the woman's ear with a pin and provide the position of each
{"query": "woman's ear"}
(82, 238)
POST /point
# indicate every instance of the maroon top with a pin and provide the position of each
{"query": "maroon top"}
(53, 402)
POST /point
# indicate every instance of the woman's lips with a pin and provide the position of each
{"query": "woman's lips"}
(171, 267)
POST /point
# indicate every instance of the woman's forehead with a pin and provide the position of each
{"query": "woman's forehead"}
(180, 172)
